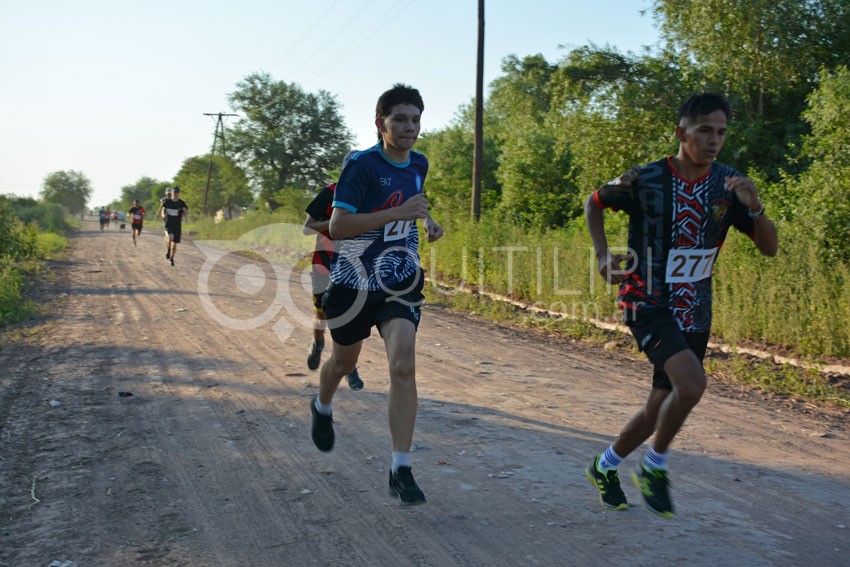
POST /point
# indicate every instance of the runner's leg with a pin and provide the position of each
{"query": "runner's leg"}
(688, 378)
(400, 340)
(343, 359)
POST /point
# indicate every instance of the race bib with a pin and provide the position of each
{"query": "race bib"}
(687, 265)
(137, 216)
(397, 230)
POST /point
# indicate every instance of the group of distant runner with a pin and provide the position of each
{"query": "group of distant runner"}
(680, 209)
(172, 210)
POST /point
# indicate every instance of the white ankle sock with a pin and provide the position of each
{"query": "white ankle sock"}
(400, 459)
(609, 460)
(656, 461)
(324, 409)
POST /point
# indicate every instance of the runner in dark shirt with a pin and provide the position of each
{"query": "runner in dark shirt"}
(174, 210)
(680, 210)
(318, 217)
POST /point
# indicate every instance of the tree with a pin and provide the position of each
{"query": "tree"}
(288, 139)
(533, 170)
(141, 190)
(765, 56)
(822, 192)
(228, 183)
(450, 157)
(70, 189)
(612, 111)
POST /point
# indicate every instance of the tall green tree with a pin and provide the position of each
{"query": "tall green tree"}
(70, 189)
(821, 195)
(450, 154)
(614, 110)
(288, 139)
(141, 190)
(228, 184)
(765, 55)
(533, 170)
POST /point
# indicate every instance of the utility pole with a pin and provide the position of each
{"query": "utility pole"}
(478, 143)
(219, 125)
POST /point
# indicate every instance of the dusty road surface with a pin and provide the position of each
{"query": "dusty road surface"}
(137, 429)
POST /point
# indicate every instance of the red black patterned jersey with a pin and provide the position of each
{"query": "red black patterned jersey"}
(676, 229)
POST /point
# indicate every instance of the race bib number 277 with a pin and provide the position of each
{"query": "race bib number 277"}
(687, 265)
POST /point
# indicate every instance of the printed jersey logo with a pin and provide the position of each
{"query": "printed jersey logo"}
(394, 200)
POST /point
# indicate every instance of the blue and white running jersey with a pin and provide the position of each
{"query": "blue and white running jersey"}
(385, 256)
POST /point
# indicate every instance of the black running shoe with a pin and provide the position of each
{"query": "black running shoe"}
(323, 429)
(654, 487)
(167, 255)
(403, 487)
(172, 261)
(354, 381)
(608, 484)
(315, 355)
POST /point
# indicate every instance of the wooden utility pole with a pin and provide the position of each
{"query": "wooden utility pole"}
(219, 125)
(478, 143)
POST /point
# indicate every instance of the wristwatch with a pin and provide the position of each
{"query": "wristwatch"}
(757, 213)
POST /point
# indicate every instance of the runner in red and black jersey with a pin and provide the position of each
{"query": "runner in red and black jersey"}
(318, 219)
(137, 215)
(680, 209)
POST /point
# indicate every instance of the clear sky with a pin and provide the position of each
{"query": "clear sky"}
(117, 89)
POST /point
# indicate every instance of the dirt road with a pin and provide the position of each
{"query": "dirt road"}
(136, 429)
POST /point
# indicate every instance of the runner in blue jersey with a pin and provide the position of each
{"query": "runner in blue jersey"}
(376, 279)
(680, 209)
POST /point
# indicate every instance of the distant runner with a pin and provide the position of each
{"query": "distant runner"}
(137, 214)
(174, 210)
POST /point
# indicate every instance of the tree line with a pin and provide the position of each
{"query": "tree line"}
(554, 130)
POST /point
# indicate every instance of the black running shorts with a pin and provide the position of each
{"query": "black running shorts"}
(352, 313)
(659, 337)
(173, 231)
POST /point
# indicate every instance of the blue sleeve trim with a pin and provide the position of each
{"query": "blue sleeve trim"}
(346, 206)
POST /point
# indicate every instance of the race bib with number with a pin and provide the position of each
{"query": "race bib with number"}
(688, 265)
(397, 230)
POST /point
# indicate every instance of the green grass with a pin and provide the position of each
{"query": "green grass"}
(781, 379)
(795, 301)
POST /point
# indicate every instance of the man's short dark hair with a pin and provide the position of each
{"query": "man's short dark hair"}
(399, 94)
(704, 103)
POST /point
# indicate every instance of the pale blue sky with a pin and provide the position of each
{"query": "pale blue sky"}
(117, 89)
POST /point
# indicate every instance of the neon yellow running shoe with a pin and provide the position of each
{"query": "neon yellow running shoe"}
(654, 487)
(608, 484)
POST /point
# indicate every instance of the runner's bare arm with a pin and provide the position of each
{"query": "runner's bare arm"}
(312, 226)
(608, 264)
(765, 236)
(432, 229)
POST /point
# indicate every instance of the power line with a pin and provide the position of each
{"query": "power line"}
(336, 34)
(219, 125)
(353, 48)
(306, 33)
